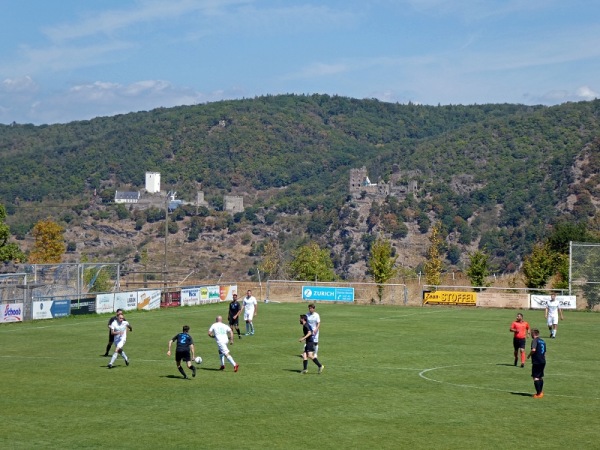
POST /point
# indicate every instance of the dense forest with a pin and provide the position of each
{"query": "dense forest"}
(496, 177)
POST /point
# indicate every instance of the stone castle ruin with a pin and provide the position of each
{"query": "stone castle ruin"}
(360, 185)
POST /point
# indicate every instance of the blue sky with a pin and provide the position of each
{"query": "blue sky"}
(78, 59)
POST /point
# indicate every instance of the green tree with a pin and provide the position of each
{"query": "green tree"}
(478, 269)
(538, 266)
(433, 265)
(9, 251)
(49, 245)
(561, 276)
(312, 263)
(122, 211)
(564, 233)
(381, 264)
(272, 264)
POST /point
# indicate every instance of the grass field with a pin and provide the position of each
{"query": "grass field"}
(395, 377)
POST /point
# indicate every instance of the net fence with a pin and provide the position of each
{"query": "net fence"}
(71, 280)
(584, 272)
(11, 287)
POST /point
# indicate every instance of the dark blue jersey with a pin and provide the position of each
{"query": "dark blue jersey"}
(538, 347)
(234, 308)
(305, 329)
(184, 341)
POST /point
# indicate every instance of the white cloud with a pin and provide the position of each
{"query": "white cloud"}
(112, 21)
(100, 98)
(20, 84)
(586, 93)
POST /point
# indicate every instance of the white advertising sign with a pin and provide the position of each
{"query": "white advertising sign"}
(105, 303)
(540, 301)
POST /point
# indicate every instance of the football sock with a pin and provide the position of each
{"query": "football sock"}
(316, 361)
(181, 371)
(107, 349)
(251, 328)
(538, 385)
(114, 357)
(523, 358)
(193, 370)
(222, 360)
(230, 359)
(305, 364)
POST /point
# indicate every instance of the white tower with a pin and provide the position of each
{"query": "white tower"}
(152, 182)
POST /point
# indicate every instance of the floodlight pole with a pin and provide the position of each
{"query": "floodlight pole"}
(166, 234)
(570, 264)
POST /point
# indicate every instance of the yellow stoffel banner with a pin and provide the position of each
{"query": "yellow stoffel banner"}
(450, 298)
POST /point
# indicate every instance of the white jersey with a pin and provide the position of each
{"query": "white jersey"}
(553, 307)
(313, 320)
(121, 328)
(221, 332)
(249, 304)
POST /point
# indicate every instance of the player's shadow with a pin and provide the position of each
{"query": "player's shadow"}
(174, 377)
(522, 394)
(507, 365)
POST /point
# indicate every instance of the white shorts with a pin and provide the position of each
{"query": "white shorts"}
(553, 320)
(223, 350)
(248, 315)
(120, 343)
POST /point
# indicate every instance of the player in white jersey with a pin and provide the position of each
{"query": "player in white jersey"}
(119, 328)
(314, 321)
(223, 334)
(250, 308)
(552, 312)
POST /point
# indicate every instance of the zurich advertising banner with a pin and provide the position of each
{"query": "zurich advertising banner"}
(334, 294)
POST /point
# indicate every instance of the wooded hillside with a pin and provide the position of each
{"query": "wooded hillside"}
(494, 176)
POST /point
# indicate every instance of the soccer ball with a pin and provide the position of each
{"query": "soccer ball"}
(198, 360)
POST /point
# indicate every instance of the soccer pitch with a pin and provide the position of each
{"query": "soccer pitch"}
(395, 377)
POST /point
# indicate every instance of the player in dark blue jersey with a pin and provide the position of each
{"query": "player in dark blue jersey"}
(185, 351)
(233, 317)
(309, 346)
(538, 362)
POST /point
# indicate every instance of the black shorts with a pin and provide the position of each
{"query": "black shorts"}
(185, 356)
(537, 370)
(519, 343)
(235, 322)
(309, 347)
(111, 337)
